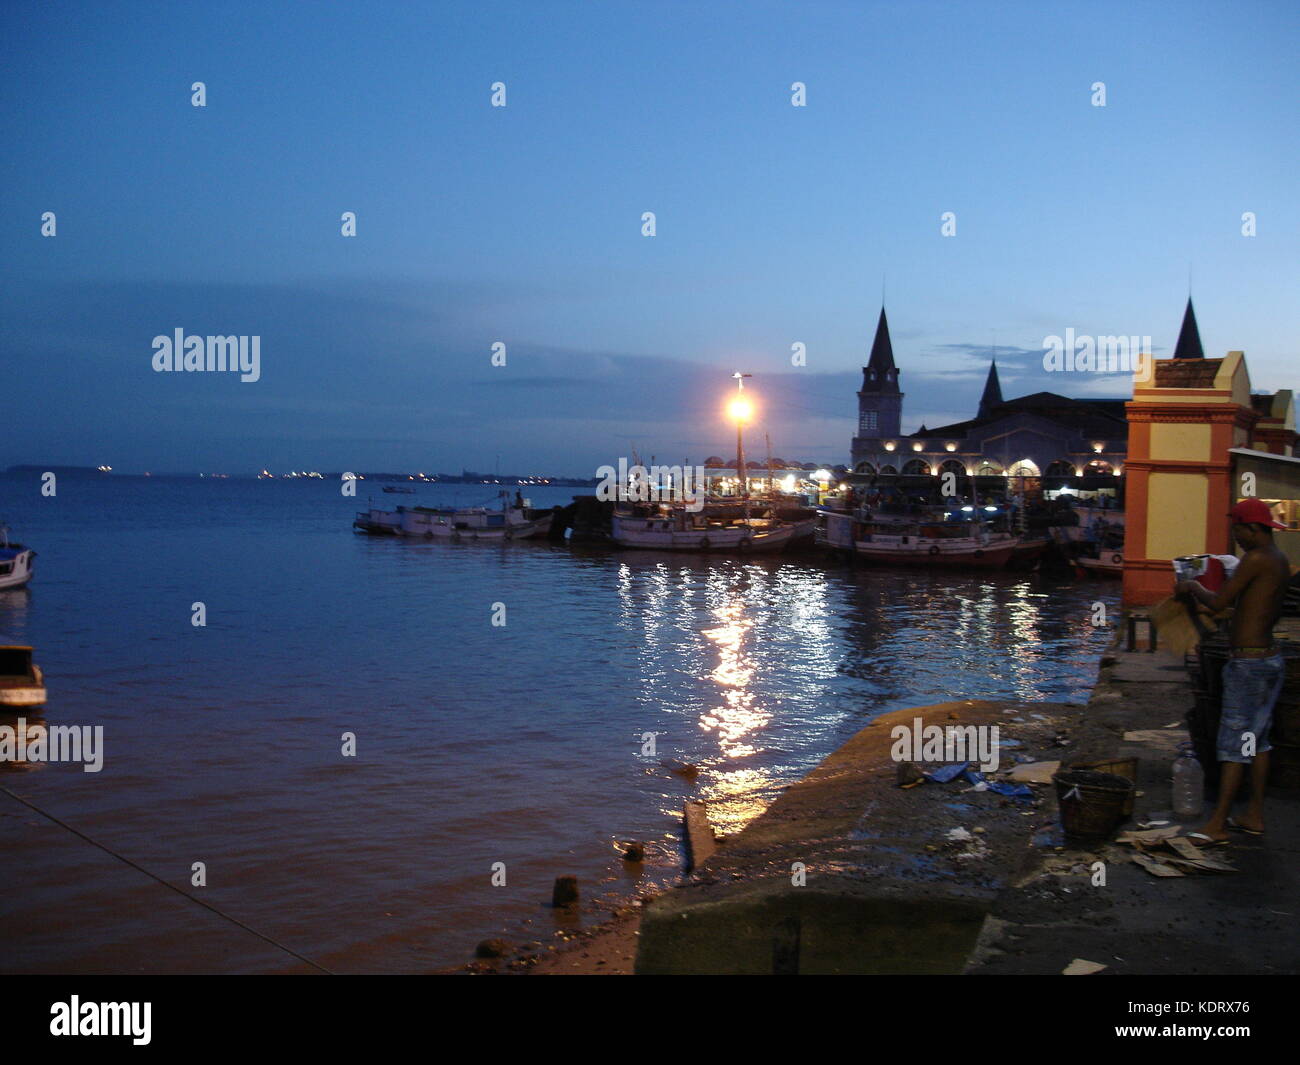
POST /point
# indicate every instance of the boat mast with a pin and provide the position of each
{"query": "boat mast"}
(770, 487)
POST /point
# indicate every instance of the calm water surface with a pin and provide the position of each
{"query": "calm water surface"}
(476, 744)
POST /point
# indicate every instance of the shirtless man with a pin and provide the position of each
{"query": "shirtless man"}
(1252, 679)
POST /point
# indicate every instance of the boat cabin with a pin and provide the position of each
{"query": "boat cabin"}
(16, 663)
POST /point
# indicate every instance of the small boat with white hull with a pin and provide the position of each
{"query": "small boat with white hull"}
(21, 681)
(719, 528)
(378, 522)
(975, 544)
(1107, 562)
(449, 523)
(930, 535)
(15, 562)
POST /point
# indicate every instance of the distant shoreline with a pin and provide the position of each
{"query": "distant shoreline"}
(505, 480)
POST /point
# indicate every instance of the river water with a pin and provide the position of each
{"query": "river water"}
(527, 744)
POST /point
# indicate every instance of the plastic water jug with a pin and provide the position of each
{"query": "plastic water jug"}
(1189, 785)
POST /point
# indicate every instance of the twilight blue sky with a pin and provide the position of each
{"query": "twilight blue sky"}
(523, 224)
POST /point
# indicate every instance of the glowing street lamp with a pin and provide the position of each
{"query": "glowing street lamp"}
(741, 411)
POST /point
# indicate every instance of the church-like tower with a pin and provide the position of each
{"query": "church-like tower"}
(880, 403)
(1189, 337)
(992, 396)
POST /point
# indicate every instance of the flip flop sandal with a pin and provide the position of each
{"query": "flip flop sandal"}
(1202, 840)
(1236, 826)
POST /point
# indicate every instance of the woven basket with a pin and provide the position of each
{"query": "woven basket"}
(1120, 767)
(1091, 803)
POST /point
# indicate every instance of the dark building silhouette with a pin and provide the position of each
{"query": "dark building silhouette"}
(1045, 438)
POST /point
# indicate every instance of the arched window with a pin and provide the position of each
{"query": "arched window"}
(952, 466)
(864, 467)
(1060, 468)
(888, 469)
(988, 469)
(915, 466)
(1024, 468)
(1098, 466)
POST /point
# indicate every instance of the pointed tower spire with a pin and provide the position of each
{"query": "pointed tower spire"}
(880, 373)
(992, 396)
(880, 403)
(1189, 337)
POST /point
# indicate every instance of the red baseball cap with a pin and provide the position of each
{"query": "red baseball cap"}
(1254, 512)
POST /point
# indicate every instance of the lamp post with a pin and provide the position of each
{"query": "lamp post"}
(741, 409)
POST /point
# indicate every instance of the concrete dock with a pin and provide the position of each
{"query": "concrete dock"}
(1241, 923)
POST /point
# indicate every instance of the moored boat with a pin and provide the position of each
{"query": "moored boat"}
(1027, 551)
(378, 522)
(1107, 563)
(804, 520)
(472, 523)
(1095, 525)
(722, 528)
(938, 543)
(21, 681)
(451, 523)
(838, 529)
(15, 562)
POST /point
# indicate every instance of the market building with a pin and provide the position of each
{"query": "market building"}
(1041, 444)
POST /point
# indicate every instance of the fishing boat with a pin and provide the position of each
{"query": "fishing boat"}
(1095, 524)
(464, 523)
(837, 528)
(1028, 551)
(804, 520)
(21, 681)
(399, 489)
(378, 522)
(1106, 563)
(726, 528)
(15, 562)
(978, 544)
(1097, 545)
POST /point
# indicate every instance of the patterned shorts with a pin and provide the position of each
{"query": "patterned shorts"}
(1250, 690)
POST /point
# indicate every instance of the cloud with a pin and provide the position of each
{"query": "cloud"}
(394, 375)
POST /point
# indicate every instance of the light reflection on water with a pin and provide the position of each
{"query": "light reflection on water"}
(798, 655)
(478, 744)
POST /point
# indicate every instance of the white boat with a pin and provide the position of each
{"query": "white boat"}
(21, 682)
(15, 562)
(837, 529)
(1096, 544)
(715, 528)
(379, 522)
(805, 520)
(1108, 563)
(1096, 525)
(938, 543)
(464, 523)
(805, 530)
